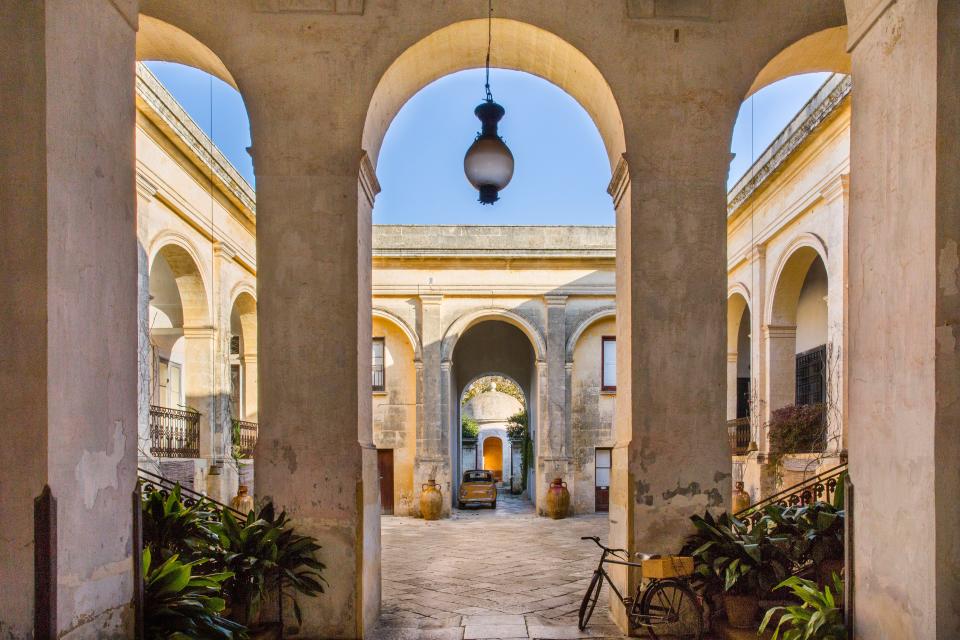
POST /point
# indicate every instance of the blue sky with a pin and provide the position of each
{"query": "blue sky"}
(562, 168)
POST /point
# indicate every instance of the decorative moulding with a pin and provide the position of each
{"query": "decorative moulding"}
(338, 7)
(685, 10)
(620, 181)
(368, 179)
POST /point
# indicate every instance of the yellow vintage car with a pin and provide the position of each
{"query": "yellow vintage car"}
(478, 487)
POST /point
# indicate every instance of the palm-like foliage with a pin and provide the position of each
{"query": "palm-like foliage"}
(171, 527)
(264, 551)
(817, 617)
(179, 605)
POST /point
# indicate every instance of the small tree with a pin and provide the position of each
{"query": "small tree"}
(517, 430)
(469, 427)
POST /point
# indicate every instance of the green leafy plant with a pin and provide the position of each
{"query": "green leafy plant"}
(817, 617)
(470, 427)
(171, 527)
(179, 605)
(502, 384)
(733, 559)
(518, 430)
(263, 551)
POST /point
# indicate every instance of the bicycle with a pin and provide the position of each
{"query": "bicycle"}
(665, 607)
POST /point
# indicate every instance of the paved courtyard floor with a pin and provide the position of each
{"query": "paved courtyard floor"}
(489, 573)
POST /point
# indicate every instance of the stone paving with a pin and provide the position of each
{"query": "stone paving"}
(489, 573)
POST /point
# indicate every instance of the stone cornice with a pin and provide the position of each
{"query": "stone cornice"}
(619, 181)
(856, 32)
(336, 7)
(817, 111)
(780, 330)
(166, 112)
(368, 179)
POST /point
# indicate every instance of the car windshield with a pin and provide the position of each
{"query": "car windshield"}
(477, 476)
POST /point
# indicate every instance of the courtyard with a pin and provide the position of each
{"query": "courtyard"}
(489, 573)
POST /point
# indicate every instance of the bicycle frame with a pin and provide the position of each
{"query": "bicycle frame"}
(630, 604)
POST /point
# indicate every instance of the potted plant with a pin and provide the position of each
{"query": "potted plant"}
(740, 564)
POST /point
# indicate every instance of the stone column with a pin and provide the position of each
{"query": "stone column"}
(198, 391)
(250, 383)
(731, 385)
(836, 197)
(315, 457)
(758, 343)
(435, 426)
(781, 369)
(556, 445)
(68, 330)
(672, 458)
(904, 340)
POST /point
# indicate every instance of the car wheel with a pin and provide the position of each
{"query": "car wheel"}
(460, 505)
(493, 505)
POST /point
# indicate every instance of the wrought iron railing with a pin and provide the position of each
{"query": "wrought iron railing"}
(174, 433)
(820, 488)
(150, 482)
(245, 433)
(738, 431)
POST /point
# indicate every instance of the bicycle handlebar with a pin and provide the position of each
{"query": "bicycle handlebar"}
(596, 541)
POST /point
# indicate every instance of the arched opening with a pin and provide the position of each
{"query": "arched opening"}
(484, 348)
(493, 450)
(199, 208)
(181, 361)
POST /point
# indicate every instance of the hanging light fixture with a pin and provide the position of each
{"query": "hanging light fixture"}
(488, 163)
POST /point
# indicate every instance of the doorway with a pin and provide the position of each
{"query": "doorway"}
(602, 481)
(385, 472)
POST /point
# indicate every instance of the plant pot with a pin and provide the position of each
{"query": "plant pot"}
(741, 610)
(558, 499)
(431, 501)
(741, 499)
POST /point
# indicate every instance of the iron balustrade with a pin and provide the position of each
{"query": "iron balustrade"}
(174, 433)
(248, 432)
(820, 488)
(738, 431)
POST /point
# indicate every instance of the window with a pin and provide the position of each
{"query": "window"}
(811, 376)
(378, 365)
(608, 364)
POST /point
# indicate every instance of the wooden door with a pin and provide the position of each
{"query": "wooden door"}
(602, 480)
(385, 469)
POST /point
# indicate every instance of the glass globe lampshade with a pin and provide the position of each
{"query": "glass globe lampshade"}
(488, 163)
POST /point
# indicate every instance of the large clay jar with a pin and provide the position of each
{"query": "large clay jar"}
(558, 499)
(243, 501)
(741, 499)
(431, 501)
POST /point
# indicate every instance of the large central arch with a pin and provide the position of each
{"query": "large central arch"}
(518, 46)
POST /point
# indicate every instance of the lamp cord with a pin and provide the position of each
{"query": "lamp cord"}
(489, 41)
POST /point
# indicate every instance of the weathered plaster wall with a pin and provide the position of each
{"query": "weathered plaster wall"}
(591, 412)
(395, 412)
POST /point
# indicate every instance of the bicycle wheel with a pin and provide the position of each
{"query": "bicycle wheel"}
(671, 609)
(590, 600)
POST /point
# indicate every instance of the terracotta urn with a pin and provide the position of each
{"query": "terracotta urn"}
(558, 499)
(741, 499)
(431, 501)
(243, 501)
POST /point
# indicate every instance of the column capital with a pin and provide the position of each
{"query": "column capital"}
(780, 330)
(758, 252)
(568, 366)
(836, 188)
(368, 178)
(224, 250)
(732, 356)
(619, 181)
(444, 366)
(555, 300)
(249, 358)
(199, 332)
(428, 299)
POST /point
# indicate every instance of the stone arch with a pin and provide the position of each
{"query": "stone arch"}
(480, 376)
(191, 281)
(737, 301)
(521, 47)
(789, 277)
(464, 322)
(159, 40)
(583, 326)
(824, 50)
(411, 335)
(245, 304)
